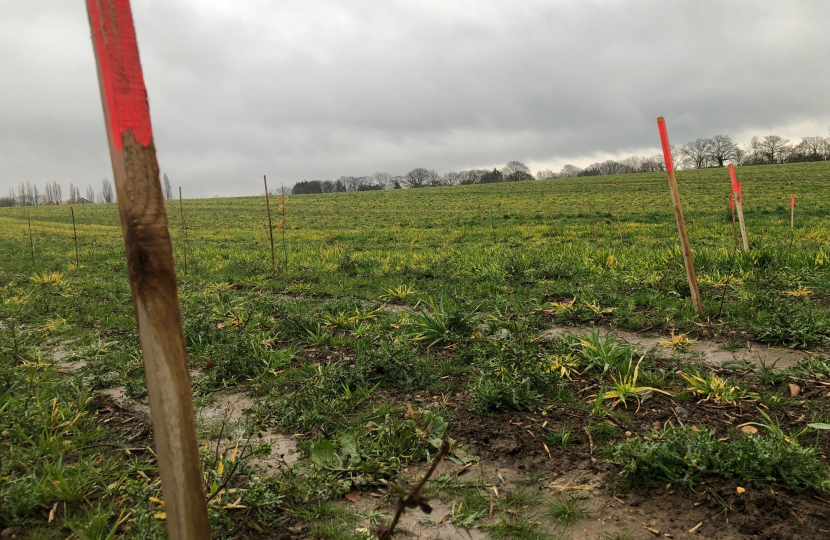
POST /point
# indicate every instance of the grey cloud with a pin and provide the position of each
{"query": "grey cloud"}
(320, 88)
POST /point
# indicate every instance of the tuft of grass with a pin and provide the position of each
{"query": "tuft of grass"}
(800, 292)
(684, 456)
(434, 325)
(473, 506)
(559, 437)
(769, 375)
(566, 510)
(716, 388)
(599, 352)
(625, 386)
(618, 536)
(51, 278)
(678, 342)
(399, 293)
(511, 527)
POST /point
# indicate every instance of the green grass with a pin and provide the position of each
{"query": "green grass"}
(686, 457)
(566, 510)
(393, 312)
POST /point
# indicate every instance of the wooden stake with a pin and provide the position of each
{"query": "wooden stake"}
(739, 204)
(282, 228)
(75, 234)
(151, 268)
(184, 234)
(270, 228)
(734, 227)
(619, 225)
(681, 223)
(593, 226)
(31, 238)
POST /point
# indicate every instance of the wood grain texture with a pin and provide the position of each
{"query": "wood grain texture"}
(152, 273)
(739, 205)
(685, 247)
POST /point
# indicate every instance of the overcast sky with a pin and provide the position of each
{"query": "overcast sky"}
(316, 89)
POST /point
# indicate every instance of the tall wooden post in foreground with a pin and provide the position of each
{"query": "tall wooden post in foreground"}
(678, 213)
(739, 204)
(734, 227)
(150, 264)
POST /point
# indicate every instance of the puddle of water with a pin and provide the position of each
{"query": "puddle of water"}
(708, 351)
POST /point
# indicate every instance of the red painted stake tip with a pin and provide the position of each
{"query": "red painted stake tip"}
(792, 201)
(113, 36)
(664, 140)
(731, 203)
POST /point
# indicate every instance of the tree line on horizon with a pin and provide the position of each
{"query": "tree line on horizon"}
(29, 194)
(717, 151)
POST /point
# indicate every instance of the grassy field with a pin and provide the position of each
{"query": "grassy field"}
(404, 316)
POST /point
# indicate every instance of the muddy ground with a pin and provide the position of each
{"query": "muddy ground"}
(513, 458)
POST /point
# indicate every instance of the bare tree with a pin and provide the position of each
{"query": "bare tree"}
(47, 193)
(632, 164)
(545, 174)
(570, 171)
(74, 193)
(168, 189)
(653, 164)
(812, 148)
(381, 179)
(696, 153)
(453, 178)
(57, 192)
(420, 177)
(106, 191)
(90, 194)
(516, 171)
(722, 149)
(774, 149)
(739, 157)
(473, 176)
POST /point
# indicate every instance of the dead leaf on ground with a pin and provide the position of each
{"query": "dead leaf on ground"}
(749, 430)
(794, 389)
(354, 495)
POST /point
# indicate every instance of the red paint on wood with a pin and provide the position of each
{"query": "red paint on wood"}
(736, 186)
(734, 180)
(664, 140)
(731, 203)
(113, 37)
(792, 201)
